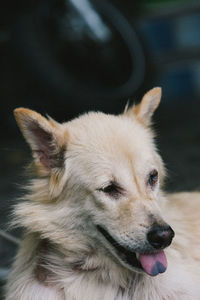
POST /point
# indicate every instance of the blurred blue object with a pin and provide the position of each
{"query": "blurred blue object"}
(178, 83)
(187, 32)
(174, 48)
(158, 34)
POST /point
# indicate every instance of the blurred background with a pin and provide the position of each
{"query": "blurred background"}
(65, 57)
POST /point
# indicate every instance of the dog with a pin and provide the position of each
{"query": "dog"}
(97, 224)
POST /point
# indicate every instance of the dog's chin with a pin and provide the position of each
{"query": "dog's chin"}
(126, 257)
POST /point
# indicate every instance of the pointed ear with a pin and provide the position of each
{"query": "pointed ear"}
(145, 109)
(45, 139)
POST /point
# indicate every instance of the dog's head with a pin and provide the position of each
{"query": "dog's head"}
(106, 172)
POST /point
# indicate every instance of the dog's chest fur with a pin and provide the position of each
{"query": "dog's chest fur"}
(66, 278)
(90, 287)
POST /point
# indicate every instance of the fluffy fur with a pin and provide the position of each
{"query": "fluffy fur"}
(63, 256)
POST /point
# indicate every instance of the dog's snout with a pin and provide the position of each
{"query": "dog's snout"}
(160, 236)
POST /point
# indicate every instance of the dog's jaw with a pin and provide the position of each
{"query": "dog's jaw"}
(126, 257)
(152, 263)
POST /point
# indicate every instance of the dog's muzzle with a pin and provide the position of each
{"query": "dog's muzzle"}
(151, 261)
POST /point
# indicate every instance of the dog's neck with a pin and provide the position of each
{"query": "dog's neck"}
(51, 258)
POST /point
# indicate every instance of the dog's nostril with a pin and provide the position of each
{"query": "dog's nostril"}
(160, 237)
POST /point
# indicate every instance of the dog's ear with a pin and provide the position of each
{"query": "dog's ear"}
(46, 139)
(145, 109)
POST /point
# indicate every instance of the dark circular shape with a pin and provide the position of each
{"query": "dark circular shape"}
(39, 48)
(160, 237)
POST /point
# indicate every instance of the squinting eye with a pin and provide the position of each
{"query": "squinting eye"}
(153, 178)
(112, 189)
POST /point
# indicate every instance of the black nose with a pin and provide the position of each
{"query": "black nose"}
(160, 236)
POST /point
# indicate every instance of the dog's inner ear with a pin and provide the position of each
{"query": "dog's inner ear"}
(46, 148)
(44, 138)
(145, 109)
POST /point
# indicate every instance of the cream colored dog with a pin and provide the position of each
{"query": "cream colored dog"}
(97, 224)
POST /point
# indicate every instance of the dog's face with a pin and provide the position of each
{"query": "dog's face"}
(107, 167)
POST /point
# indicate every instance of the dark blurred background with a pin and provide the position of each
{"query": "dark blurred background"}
(65, 57)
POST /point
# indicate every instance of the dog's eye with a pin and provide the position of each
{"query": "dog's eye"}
(153, 178)
(112, 189)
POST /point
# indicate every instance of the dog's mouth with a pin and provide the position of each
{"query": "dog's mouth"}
(151, 263)
(126, 255)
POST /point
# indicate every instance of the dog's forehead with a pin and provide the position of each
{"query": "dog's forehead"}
(109, 136)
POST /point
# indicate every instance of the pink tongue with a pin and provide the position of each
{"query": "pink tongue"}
(154, 264)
